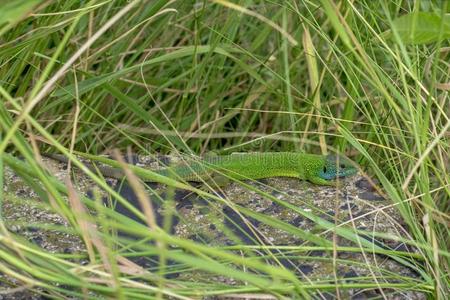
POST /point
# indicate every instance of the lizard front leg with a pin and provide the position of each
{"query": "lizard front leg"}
(321, 181)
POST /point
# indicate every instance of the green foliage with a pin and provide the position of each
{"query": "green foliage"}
(423, 27)
(12, 11)
(369, 78)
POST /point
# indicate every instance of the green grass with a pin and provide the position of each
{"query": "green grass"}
(368, 78)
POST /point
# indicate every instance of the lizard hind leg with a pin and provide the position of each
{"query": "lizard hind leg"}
(214, 181)
(211, 184)
(321, 181)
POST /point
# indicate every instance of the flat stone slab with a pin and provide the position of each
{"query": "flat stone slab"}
(355, 205)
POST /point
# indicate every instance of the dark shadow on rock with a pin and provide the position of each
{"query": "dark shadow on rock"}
(239, 227)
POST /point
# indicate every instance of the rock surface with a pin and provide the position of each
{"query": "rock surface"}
(355, 205)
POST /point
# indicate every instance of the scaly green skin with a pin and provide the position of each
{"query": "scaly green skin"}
(317, 169)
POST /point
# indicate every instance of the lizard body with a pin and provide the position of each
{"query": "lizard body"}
(318, 169)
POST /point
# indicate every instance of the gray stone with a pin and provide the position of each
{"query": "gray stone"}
(218, 225)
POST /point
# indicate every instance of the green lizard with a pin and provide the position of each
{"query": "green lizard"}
(318, 169)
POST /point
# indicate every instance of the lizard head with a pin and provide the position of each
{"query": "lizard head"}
(336, 166)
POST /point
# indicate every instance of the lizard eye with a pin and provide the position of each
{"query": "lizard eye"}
(342, 166)
(324, 169)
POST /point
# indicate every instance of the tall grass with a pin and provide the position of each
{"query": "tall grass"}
(198, 76)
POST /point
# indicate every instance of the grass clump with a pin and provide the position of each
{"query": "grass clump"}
(368, 78)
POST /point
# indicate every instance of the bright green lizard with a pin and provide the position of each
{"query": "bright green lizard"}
(318, 169)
